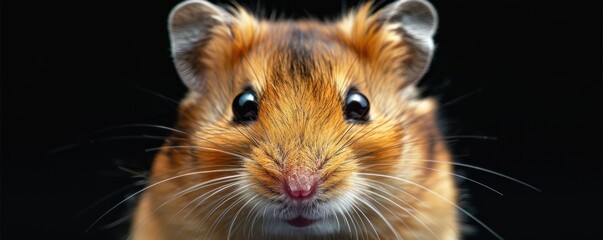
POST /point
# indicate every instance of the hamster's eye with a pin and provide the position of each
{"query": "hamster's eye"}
(356, 106)
(245, 107)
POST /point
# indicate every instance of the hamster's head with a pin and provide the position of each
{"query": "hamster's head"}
(296, 122)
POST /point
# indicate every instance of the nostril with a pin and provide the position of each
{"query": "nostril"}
(298, 191)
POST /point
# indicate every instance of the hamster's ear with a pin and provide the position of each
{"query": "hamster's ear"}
(416, 21)
(401, 32)
(191, 25)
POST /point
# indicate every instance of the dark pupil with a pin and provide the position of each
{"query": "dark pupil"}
(356, 107)
(245, 107)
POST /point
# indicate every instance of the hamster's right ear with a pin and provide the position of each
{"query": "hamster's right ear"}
(191, 25)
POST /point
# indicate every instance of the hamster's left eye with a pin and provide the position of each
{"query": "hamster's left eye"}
(245, 107)
(356, 106)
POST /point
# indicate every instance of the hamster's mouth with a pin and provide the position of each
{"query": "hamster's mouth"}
(301, 221)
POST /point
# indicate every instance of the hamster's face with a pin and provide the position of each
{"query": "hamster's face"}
(305, 118)
(317, 126)
(296, 123)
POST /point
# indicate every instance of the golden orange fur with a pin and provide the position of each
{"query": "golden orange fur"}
(216, 179)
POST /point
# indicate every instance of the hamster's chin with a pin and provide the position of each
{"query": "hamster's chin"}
(303, 226)
(301, 219)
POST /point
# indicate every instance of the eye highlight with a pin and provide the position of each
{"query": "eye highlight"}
(356, 107)
(245, 107)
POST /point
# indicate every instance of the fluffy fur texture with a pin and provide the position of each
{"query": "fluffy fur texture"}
(216, 179)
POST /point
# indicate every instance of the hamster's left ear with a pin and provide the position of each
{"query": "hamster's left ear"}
(401, 32)
(417, 21)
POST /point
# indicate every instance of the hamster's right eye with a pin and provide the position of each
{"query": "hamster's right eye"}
(245, 107)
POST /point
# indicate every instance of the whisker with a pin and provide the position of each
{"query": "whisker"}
(211, 194)
(396, 204)
(351, 141)
(394, 187)
(391, 212)
(453, 137)
(446, 172)
(112, 194)
(117, 222)
(459, 176)
(144, 181)
(439, 196)
(255, 73)
(107, 139)
(354, 208)
(227, 197)
(237, 214)
(171, 100)
(413, 142)
(345, 133)
(347, 74)
(462, 97)
(346, 78)
(354, 224)
(252, 140)
(336, 219)
(196, 147)
(264, 220)
(467, 166)
(188, 190)
(153, 185)
(221, 216)
(350, 223)
(131, 137)
(252, 213)
(231, 196)
(144, 125)
(345, 218)
(481, 169)
(389, 225)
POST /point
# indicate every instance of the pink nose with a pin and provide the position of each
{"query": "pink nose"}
(300, 185)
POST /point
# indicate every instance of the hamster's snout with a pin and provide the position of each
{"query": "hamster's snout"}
(300, 183)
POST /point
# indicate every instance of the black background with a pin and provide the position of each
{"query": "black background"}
(525, 72)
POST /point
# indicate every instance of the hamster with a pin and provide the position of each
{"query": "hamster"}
(301, 130)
